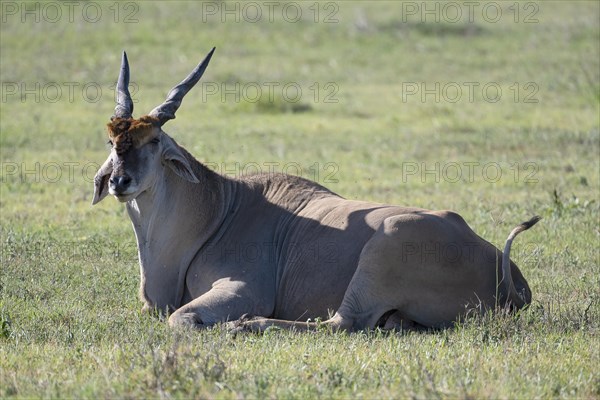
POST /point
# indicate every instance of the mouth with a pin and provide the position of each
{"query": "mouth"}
(123, 197)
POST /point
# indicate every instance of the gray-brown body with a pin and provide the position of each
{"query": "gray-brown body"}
(289, 249)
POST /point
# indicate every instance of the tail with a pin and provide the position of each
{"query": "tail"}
(513, 297)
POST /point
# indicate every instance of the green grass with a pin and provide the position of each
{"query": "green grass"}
(70, 324)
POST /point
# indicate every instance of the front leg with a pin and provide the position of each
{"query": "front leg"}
(260, 325)
(223, 303)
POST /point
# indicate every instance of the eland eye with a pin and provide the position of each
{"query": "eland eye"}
(155, 141)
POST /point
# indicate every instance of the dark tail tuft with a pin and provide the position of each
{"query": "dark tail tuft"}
(528, 224)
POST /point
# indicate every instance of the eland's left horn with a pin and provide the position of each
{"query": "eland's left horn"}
(166, 110)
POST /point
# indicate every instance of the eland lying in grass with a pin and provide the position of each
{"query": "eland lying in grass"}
(284, 249)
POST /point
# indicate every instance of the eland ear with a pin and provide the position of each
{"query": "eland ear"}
(101, 181)
(174, 158)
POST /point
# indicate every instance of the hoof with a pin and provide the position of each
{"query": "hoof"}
(239, 325)
(186, 320)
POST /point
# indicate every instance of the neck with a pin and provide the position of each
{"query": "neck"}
(172, 221)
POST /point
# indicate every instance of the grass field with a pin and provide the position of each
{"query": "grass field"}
(493, 113)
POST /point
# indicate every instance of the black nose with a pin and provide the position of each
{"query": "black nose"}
(119, 183)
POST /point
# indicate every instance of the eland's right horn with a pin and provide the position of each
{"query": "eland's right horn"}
(124, 108)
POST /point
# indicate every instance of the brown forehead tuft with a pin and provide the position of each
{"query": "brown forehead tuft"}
(125, 132)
